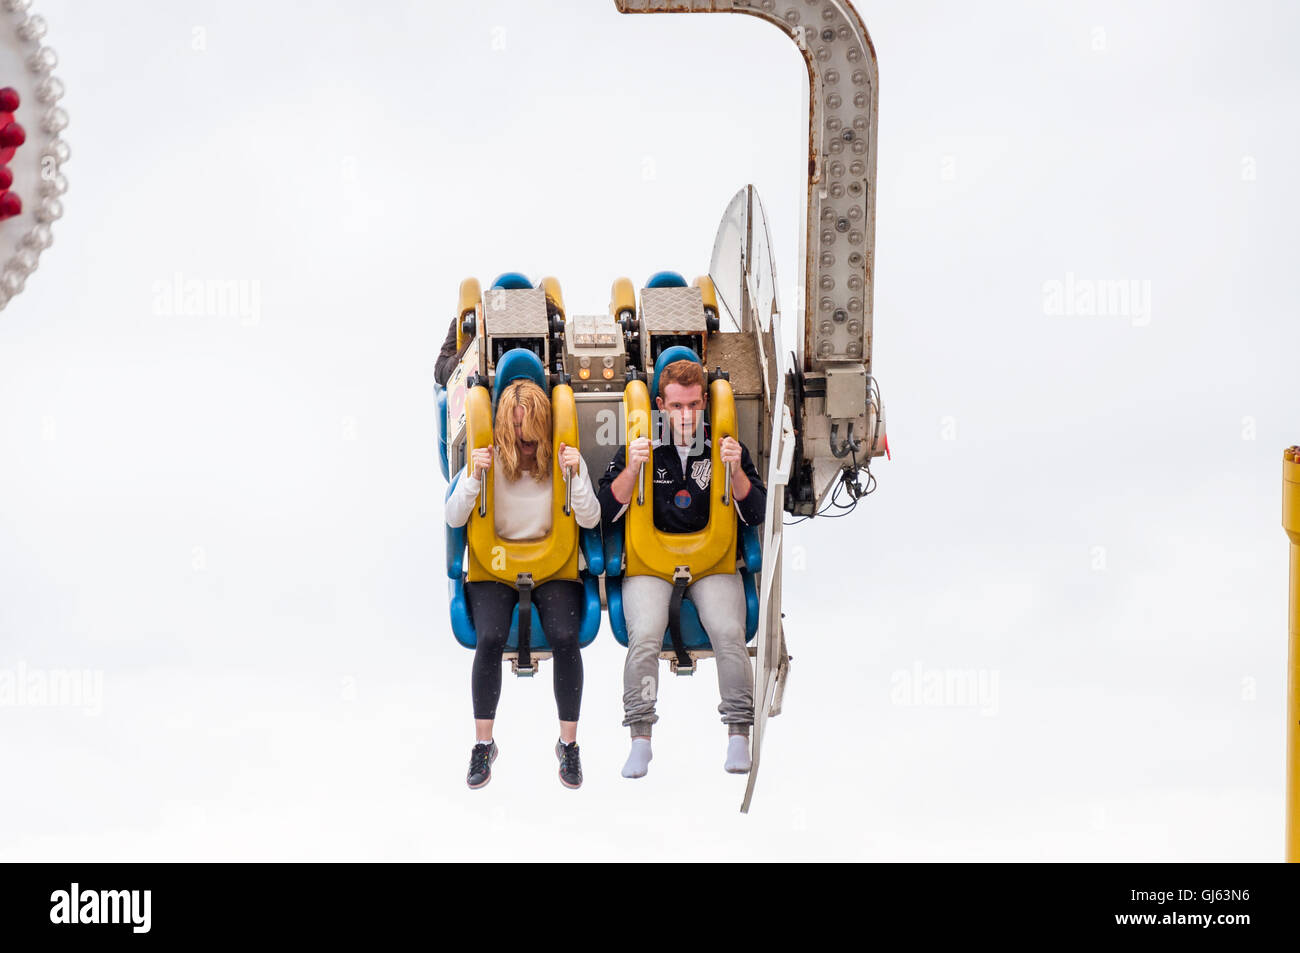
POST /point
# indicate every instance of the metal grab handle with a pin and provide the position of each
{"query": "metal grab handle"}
(568, 491)
(726, 484)
(482, 486)
(640, 486)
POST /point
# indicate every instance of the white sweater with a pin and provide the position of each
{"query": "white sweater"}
(522, 507)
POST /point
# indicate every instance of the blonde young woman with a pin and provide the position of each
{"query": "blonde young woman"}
(519, 464)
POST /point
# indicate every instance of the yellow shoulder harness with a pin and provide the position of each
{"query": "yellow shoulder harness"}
(554, 556)
(712, 550)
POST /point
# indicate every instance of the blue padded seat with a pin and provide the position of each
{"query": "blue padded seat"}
(515, 364)
(462, 624)
(440, 408)
(666, 279)
(512, 281)
(694, 637)
(670, 355)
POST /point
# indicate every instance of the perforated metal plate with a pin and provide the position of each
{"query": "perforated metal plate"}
(672, 310)
(518, 313)
(737, 354)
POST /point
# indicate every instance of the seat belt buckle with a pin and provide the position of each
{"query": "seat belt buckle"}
(523, 664)
(682, 662)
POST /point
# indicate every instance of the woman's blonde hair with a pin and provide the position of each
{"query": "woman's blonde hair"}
(536, 427)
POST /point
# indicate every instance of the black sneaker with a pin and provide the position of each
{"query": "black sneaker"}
(480, 764)
(570, 764)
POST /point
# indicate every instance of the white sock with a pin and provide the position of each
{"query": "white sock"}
(488, 742)
(638, 759)
(737, 754)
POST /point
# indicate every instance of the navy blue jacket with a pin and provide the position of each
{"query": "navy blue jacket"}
(681, 497)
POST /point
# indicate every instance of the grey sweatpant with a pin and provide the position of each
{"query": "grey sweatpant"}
(720, 601)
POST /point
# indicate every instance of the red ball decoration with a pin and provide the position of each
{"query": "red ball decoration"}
(12, 136)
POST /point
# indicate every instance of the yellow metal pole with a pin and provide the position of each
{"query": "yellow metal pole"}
(1291, 523)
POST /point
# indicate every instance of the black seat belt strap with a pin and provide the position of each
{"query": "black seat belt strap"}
(681, 579)
(524, 583)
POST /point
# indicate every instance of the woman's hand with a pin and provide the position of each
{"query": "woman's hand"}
(480, 461)
(570, 458)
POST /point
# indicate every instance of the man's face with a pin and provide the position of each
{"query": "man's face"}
(683, 404)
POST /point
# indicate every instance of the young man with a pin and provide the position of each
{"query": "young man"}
(680, 469)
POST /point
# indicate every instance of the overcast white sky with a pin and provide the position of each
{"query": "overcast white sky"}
(235, 518)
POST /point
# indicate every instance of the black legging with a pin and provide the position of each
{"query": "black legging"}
(559, 603)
